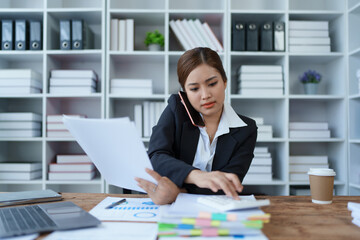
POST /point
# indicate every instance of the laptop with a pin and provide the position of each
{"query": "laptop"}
(39, 218)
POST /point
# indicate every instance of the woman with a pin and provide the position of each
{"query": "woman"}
(205, 160)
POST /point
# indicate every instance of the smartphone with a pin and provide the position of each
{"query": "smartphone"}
(194, 115)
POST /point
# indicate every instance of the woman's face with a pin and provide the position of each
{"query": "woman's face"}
(205, 89)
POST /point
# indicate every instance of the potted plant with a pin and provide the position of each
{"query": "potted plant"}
(154, 40)
(311, 80)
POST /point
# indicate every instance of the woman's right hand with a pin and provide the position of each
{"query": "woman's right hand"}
(216, 180)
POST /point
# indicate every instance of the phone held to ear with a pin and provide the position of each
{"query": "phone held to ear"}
(194, 115)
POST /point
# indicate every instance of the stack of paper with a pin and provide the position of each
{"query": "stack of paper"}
(20, 170)
(355, 212)
(261, 166)
(192, 33)
(72, 82)
(72, 167)
(260, 80)
(131, 87)
(309, 36)
(122, 35)
(188, 218)
(309, 130)
(20, 124)
(55, 126)
(300, 165)
(264, 131)
(147, 115)
(20, 81)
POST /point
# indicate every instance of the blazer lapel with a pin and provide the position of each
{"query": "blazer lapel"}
(224, 149)
(189, 142)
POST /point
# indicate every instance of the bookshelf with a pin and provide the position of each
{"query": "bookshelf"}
(353, 12)
(333, 102)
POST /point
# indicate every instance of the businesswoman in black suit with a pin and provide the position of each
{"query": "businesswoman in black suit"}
(205, 160)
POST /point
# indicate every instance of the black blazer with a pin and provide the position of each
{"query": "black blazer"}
(174, 140)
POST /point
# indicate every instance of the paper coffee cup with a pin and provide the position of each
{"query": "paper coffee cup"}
(321, 185)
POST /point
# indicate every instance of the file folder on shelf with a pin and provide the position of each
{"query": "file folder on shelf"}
(65, 35)
(81, 35)
(21, 34)
(266, 41)
(7, 36)
(238, 36)
(252, 39)
(279, 36)
(35, 35)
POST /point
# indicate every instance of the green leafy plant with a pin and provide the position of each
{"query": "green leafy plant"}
(154, 38)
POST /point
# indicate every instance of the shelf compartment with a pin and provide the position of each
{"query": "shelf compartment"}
(92, 18)
(91, 107)
(265, 189)
(139, 67)
(15, 4)
(196, 5)
(320, 110)
(238, 60)
(332, 69)
(354, 118)
(15, 186)
(354, 163)
(76, 61)
(33, 105)
(137, 4)
(354, 36)
(143, 22)
(336, 27)
(273, 111)
(92, 186)
(74, 4)
(216, 22)
(318, 5)
(21, 151)
(336, 153)
(354, 66)
(258, 5)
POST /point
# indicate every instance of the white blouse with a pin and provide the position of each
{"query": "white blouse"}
(205, 151)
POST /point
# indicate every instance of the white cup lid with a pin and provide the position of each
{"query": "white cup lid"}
(322, 172)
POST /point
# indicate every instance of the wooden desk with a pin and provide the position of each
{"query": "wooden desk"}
(292, 217)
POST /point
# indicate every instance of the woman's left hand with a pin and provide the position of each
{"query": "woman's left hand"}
(164, 192)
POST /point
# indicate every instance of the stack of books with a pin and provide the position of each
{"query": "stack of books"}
(355, 212)
(261, 166)
(300, 165)
(20, 81)
(20, 170)
(131, 87)
(146, 116)
(260, 80)
(309, 130)
(72, 167)
(309, 36)
(192, 33)
(72, 82)
(20, 124)
(122, 34)
(264, 131)
(55, 126)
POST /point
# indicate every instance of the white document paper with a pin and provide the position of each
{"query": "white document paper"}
(109, 231)
(115, 148)
(187, 205)
(134, 209)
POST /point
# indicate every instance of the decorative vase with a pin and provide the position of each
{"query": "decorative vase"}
(154, 47)
(311, 88)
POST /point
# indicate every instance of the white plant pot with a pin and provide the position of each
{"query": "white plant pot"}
(154, 47)
(311, 88)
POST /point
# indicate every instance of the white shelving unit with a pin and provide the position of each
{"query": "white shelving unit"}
(353, 96)
(330, 105)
